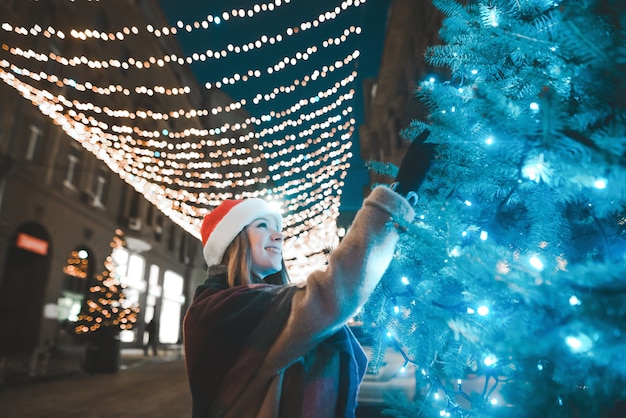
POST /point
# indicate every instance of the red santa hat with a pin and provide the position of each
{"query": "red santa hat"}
(221, 226)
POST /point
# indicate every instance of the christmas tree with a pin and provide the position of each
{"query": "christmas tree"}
(105, 311)
(514, 271)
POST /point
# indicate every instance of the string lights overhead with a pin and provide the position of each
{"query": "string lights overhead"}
(186, 160)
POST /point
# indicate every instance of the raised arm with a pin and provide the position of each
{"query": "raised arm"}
(328, 299)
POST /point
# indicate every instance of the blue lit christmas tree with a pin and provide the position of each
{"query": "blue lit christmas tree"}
(514, 273)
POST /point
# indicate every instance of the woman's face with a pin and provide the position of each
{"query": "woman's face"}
(266, 242)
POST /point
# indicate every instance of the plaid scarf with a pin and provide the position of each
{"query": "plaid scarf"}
(227, 333)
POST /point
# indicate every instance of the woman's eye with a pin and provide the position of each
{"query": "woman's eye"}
(262, 225)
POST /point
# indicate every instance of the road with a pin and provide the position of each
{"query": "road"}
(149, 389)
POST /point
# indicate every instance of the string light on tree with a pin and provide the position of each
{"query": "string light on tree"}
(106, 308)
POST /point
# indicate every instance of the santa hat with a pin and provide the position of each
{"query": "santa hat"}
(224, 223)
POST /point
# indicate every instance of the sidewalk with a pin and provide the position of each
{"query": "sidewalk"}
(67, 361)
(156, 389)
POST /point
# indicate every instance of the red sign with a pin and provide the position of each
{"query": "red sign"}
(30, 243)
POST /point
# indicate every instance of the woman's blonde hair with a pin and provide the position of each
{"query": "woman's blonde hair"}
(238, 261)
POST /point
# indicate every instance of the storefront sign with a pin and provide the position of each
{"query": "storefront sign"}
(32, 244)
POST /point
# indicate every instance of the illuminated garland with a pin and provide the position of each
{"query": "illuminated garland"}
(173, 58)
(185, 179)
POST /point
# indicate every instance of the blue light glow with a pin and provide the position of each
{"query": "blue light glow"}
(536, 262)
(490, 360)
(600, 184)
(578, 343)
(574, 301)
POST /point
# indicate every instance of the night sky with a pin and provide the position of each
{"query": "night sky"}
(371, 17)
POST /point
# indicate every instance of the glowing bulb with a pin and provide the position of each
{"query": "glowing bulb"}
(490, 360)
(578, 343)
(83, 254)
(536, 262)
(484, 235)
(600, 184)
(489, 140)
(404, 280)
(573, 300)
(537, 169)
(483, 310)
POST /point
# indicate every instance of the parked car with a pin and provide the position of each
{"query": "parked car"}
(389, 376)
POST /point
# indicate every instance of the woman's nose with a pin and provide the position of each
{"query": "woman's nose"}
(278, 236)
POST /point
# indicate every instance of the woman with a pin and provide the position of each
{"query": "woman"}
(257, 346)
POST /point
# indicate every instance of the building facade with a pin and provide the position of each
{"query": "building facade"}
(61, 206)
(390, 103)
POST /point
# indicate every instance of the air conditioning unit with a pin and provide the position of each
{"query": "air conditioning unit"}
(134, 224)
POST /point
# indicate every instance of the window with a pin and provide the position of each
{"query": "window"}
(73, 161)
(150, 215)
(134, 216)
(134, 278)
(171, 242)
(183, 248)
(171, 307)
(154, 291)
(100, 187)
(130, 268)
(158, 229)
(34, 143)
(78, 271)
(374, 91)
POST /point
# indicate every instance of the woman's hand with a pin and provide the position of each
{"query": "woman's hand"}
(414, 167)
